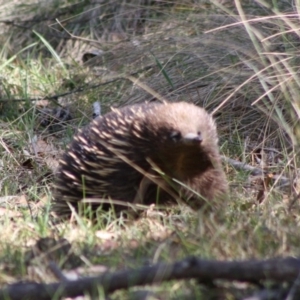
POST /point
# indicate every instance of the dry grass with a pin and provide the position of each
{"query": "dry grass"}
(238, 61)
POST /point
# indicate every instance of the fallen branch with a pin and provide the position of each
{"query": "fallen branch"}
(87, 87)
(278, 270)
(281, 180)
(243, 166)
(276, 294)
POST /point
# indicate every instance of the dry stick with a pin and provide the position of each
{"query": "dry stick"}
(282, 180)
(281, 269)
(56, 96)
(294, 292)
(106, 80)
(72, 36)
(243, 166)
(57, 272)
(276, 294)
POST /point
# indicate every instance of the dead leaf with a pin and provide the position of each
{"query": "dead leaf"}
(9, 213)
(105, 235)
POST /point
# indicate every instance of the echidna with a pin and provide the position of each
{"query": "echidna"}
(128, 153)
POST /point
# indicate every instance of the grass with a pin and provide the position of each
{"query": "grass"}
(245, 73)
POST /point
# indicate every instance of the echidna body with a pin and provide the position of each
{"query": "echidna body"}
(127, 153)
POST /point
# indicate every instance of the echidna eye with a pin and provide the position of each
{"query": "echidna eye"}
(175, 136)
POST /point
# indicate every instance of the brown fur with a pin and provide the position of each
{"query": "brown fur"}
(125, 154)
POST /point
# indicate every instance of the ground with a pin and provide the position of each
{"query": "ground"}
(238, 59)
